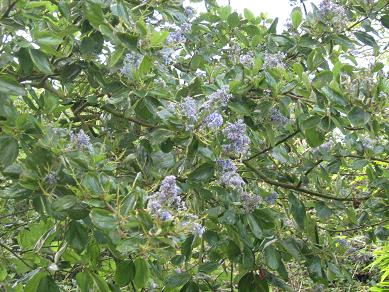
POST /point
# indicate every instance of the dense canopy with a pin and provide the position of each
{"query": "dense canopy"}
(149, 146)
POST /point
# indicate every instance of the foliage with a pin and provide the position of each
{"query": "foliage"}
(144, 145)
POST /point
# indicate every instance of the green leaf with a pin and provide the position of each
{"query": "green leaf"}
(297, 209)
(100, 283)
(92, 44)
(251, 282)
(64, 203)
(94, 13)
(201, 174)
(273, 26)
(333, 96)
(365, 38)
(177, 280)
(141, 273)
(297, 17)
(125, 272)
(47, 38)
(157, 38)
(385, 20)
(190, 287)
(314, 269)
(208, 268)
(9, 150)
(145, 66)
(47, 284)
(233, 20)
(41, 61)
(311, 122)
(314, 138)
(248, 14)
(358, 116)
(77, 236)
(10, 88)
(103, 219)
(3, 272)
(322, 210)
(272, 258)
(254, 226)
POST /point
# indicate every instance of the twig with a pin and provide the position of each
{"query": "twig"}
(354, 228)
(297, 188)
(271, 147)
(16, 255)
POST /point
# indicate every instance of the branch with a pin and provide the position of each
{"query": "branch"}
(271, 147)
(362, 157)
(297, 188)
(309, 170)
(16, 255)
(120, 115)
(354, 228)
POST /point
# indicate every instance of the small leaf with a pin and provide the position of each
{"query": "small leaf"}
(272, 258)
(297, 17)
(298, 210)
(358, 116)
(77, 236)
(125, 272)
(47, 284)
(254, 226)
(9, 150)
(141, 273)
(201, 174)
(103, 219)
(365, 38)
(40, 60)
(11, 88)
(385, 20)
(233, 20)
(177, 280)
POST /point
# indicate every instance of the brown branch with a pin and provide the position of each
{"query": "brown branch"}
(271, 147)
(354, 228)
(120, 115)
(309, 170)
(362, 157)
(16, 255)
(297, 188)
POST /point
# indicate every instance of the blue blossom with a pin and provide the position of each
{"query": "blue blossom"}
(178, 36)
(189, 109)
(333, 15)
(214, 120)
(226, 165)
(247, 59)
(218, 99)
(250, 202)
(232, 180)
(324, 147)
(198, 229)
(189, 11)
(274, 60)
(272, 198)
(277, 117)
(51, 178)
(166, 216)
(166, 197)
(343, 242)
(80, 140)
(130, 63)
(238, 141)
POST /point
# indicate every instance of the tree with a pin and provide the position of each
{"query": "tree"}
(144, 145)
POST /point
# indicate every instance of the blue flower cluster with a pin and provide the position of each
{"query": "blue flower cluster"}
(198, 229)
(274, 60)
(229, 177)
(178, 35)
(219, 98)
(80, 140)
(51, 178)
(247, 59)
(130, 63)
(272, 198)
(214, 121)
(167, 197)
(238, 141)
(189, 109)
(277, 117)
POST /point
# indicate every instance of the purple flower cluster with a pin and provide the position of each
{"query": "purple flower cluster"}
(277, 117)
(274, 60)
(51, 178)
(129, 63)
(214, 121)
(229, 176)
(324, 147)
(189, 109)
(272, 198)
(238, 141)
(198, 229)
(218, 98)
(333, 15)
(250, 202)
(80, 140)
(178, 36)
(167, 197)
(189, 11)
(247, 59)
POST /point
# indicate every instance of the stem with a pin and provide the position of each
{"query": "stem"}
(16, 255)
(232, 277)
(297, 188)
